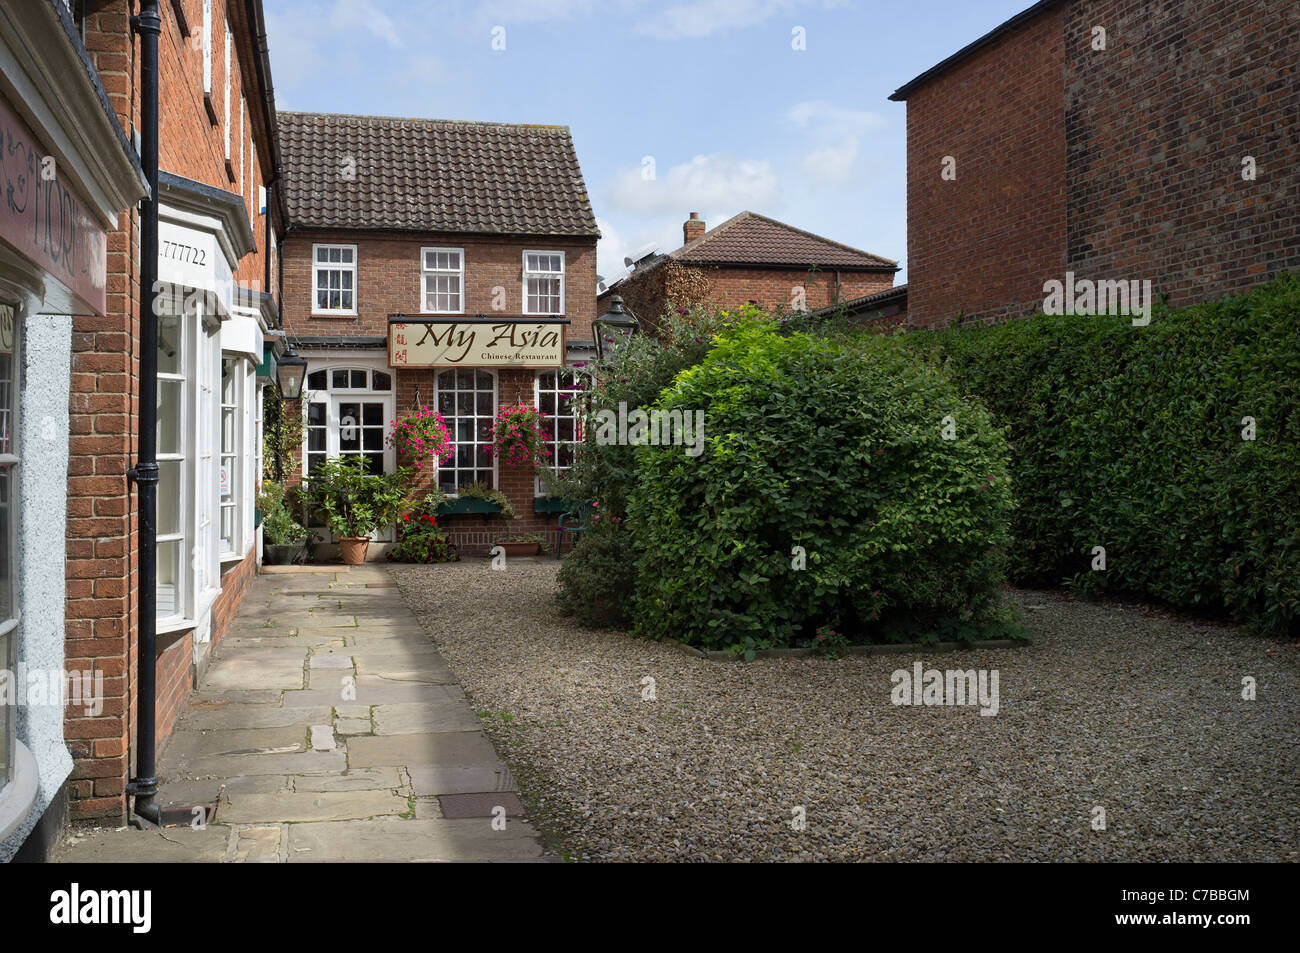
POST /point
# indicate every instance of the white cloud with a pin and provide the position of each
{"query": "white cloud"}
(834, 133)
(701, 18)
(348, 16)
(706, 182)
(831, 163)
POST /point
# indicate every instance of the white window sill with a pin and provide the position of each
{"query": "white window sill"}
(333, 314)
(18, 796)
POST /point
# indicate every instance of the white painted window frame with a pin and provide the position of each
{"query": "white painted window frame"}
(451, 429)
(319, 266)
(564, 265)
(426, 272)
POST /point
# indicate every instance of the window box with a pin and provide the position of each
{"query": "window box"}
(467, 505)
(549, 504)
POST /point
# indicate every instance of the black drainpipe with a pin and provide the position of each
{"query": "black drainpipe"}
(144, 786)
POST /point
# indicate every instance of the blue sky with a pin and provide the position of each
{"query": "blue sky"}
(712, 92)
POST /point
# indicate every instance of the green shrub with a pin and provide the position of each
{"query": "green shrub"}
(1131, 438)
(837, 450)
(598, 575)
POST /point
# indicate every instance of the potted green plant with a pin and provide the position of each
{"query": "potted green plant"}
(356, 503)
(284, 539)
(519, 545)
(478, 498)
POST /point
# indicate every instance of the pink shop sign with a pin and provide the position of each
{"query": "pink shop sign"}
(44, 219)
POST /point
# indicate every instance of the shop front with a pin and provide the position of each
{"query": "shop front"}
(66, 172)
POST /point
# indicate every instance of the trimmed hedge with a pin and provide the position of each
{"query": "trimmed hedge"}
(815, 445)
(1131, 438)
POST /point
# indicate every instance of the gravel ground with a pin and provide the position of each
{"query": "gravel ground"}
(1112, 706)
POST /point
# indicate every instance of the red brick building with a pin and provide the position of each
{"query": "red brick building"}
(750, 257)
(1115, 139)
(217, 157)
(467, 224)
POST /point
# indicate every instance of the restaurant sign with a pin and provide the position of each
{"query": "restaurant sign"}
(475, 342)
(44, 220)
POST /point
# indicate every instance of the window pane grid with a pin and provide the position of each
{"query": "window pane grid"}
(467, 401)
(335, 276)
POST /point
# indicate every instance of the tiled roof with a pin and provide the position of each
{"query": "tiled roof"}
(753, 239)
(432, 175)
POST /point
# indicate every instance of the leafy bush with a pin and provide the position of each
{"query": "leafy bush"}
(278, 525)
(1131, 438)
(598, 576)
(353, 501)
(827, 495)
(420, 538)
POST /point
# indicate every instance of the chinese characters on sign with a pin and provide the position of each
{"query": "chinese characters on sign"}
(452, 343)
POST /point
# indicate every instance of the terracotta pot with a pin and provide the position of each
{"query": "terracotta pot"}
(519, 549)
(353, 549)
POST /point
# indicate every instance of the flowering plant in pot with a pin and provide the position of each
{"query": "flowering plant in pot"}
(420, 538)
(519, 435)
(356, 503)
(421, 436)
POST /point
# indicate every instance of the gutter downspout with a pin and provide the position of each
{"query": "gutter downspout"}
(144, 786)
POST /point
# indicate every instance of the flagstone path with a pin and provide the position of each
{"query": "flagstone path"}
(330, 729)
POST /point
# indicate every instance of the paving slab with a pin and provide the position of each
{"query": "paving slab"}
(175, 845)
(431, 780)
(257, 845)
(419, 718)
(481, 805)
(357, 779)
(227, 766)
(187, 791)
(236, 741)
(353, 726)
(310, 806)
(253, 673)
(442, 748)
(218, 719)
(370, 690)
(412, 841)
(322, 738)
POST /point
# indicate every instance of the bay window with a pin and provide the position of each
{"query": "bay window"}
(467, 401)
(9, 510)
(229, 478)
(443, 276)
(543, 282)
(190, 441)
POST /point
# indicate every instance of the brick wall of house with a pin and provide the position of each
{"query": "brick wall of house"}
(1123, 163)
(982, 244)
(388, 279)
(674, 284)
(1157, 126)
(104, 404)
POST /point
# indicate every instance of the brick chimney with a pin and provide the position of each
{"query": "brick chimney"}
(692, 228)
